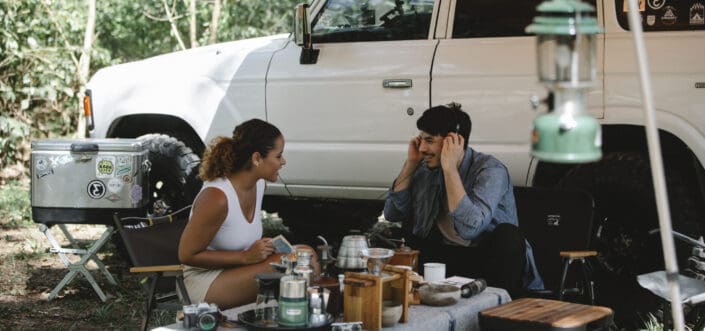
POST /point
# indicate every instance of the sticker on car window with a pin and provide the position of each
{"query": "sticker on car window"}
(656, 4)
(670, 16)
(642, 6)
(697, 14)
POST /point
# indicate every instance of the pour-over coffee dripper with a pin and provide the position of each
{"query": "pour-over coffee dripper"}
(377, 258)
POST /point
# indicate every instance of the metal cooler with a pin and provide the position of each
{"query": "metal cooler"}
(87, 180)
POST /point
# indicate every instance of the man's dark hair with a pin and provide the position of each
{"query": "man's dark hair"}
(441, 120)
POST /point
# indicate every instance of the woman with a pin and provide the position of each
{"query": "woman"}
(222, 245)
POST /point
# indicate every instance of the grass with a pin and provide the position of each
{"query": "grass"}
(15, 206)
(28, 273)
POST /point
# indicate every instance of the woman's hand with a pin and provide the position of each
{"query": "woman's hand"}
(452, 152)
(259, 251)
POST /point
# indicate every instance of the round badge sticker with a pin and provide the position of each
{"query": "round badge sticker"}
(96, 189)
(115, 185)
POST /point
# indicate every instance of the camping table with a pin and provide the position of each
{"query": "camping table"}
(461, 316)
(545, 315)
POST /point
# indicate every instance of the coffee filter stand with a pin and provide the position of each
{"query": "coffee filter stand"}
(364, 294)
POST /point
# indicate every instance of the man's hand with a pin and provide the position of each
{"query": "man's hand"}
(452, 152)
(414, 156)
(259, 251)
(413, 159)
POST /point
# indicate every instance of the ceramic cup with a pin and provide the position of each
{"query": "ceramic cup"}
(434, 272)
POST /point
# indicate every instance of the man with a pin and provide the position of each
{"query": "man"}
(458, 206)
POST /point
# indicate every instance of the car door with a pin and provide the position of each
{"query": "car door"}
(487, 63)
(347, 117)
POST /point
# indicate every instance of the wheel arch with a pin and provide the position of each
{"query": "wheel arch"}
(630, 138)
(132, 126)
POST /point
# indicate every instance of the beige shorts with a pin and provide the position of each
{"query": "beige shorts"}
(198, 281)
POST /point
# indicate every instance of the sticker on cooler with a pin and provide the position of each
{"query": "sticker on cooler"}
(115, 185)
(104, 166)
(136, 193)
(124, 165)
(95, 189)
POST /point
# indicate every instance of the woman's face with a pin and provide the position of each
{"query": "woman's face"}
(270, 165)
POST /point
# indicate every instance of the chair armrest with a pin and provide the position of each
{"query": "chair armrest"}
(578, 254)
(158, 268)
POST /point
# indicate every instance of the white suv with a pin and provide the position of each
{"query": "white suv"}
(348, 107)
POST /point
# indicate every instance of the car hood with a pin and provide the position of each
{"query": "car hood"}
(220, 62)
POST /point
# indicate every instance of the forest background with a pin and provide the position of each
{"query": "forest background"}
(49, 49)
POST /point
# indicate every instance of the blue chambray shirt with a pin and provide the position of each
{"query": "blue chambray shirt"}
(489, 201)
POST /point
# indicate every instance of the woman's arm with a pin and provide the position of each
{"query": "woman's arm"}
(209, 212)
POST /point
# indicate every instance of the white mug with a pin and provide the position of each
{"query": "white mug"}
(434, 272)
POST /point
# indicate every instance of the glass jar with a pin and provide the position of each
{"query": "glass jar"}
(267, 301)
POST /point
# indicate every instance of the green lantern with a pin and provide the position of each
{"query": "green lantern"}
(565, 40)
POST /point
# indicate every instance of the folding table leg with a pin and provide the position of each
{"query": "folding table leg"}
(99, 243)
(87, 255)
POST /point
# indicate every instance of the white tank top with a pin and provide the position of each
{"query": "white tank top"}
(236, 234)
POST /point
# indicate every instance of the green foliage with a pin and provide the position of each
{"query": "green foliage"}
(14, 205)
(41, 42)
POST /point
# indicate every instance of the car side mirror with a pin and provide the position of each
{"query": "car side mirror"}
(302, 35)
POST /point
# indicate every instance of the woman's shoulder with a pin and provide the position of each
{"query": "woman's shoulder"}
(211, 198)
(221, 183)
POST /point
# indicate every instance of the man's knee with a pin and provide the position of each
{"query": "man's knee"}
(507, 238)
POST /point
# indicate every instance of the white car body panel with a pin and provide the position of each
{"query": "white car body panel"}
(346, 135)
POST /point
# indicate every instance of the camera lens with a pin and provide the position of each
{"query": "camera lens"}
(207, 322)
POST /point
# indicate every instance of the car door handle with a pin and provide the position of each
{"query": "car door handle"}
(397, 83)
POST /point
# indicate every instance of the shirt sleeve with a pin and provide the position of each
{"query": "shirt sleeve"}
(483, 195)
(397, 207)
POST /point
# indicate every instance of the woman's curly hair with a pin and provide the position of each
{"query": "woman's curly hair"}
(226, 156)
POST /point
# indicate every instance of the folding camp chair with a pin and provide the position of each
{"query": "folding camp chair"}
(153, 244)
(558, 225)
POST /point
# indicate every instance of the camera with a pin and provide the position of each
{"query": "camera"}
(201, 316)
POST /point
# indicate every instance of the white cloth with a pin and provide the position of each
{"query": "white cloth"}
(236, 233)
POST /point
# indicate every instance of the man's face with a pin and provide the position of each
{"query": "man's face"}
(430, 148)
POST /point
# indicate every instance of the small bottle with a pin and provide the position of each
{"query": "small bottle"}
(303, 268)
(341, 301)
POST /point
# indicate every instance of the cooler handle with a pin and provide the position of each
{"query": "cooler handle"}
(84, 147)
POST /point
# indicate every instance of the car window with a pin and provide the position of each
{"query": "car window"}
(372, 20)
(662, 15)
(494, 18)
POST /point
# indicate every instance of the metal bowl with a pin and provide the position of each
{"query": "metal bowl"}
(377, 258)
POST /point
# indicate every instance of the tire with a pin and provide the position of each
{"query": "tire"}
(173, 179)
(625, 212)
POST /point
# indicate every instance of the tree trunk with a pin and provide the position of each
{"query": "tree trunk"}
(174, 30)
(192, 23)
(214, 22)
(84, 64)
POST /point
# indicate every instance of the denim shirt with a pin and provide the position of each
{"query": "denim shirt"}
(489, 200)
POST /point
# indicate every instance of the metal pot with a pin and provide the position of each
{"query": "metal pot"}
(350, 252)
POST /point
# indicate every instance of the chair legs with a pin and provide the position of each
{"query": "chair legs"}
(150, 301)
(182, 288)
(586, 278)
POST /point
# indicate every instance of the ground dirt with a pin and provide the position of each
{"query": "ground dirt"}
(29, 272)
